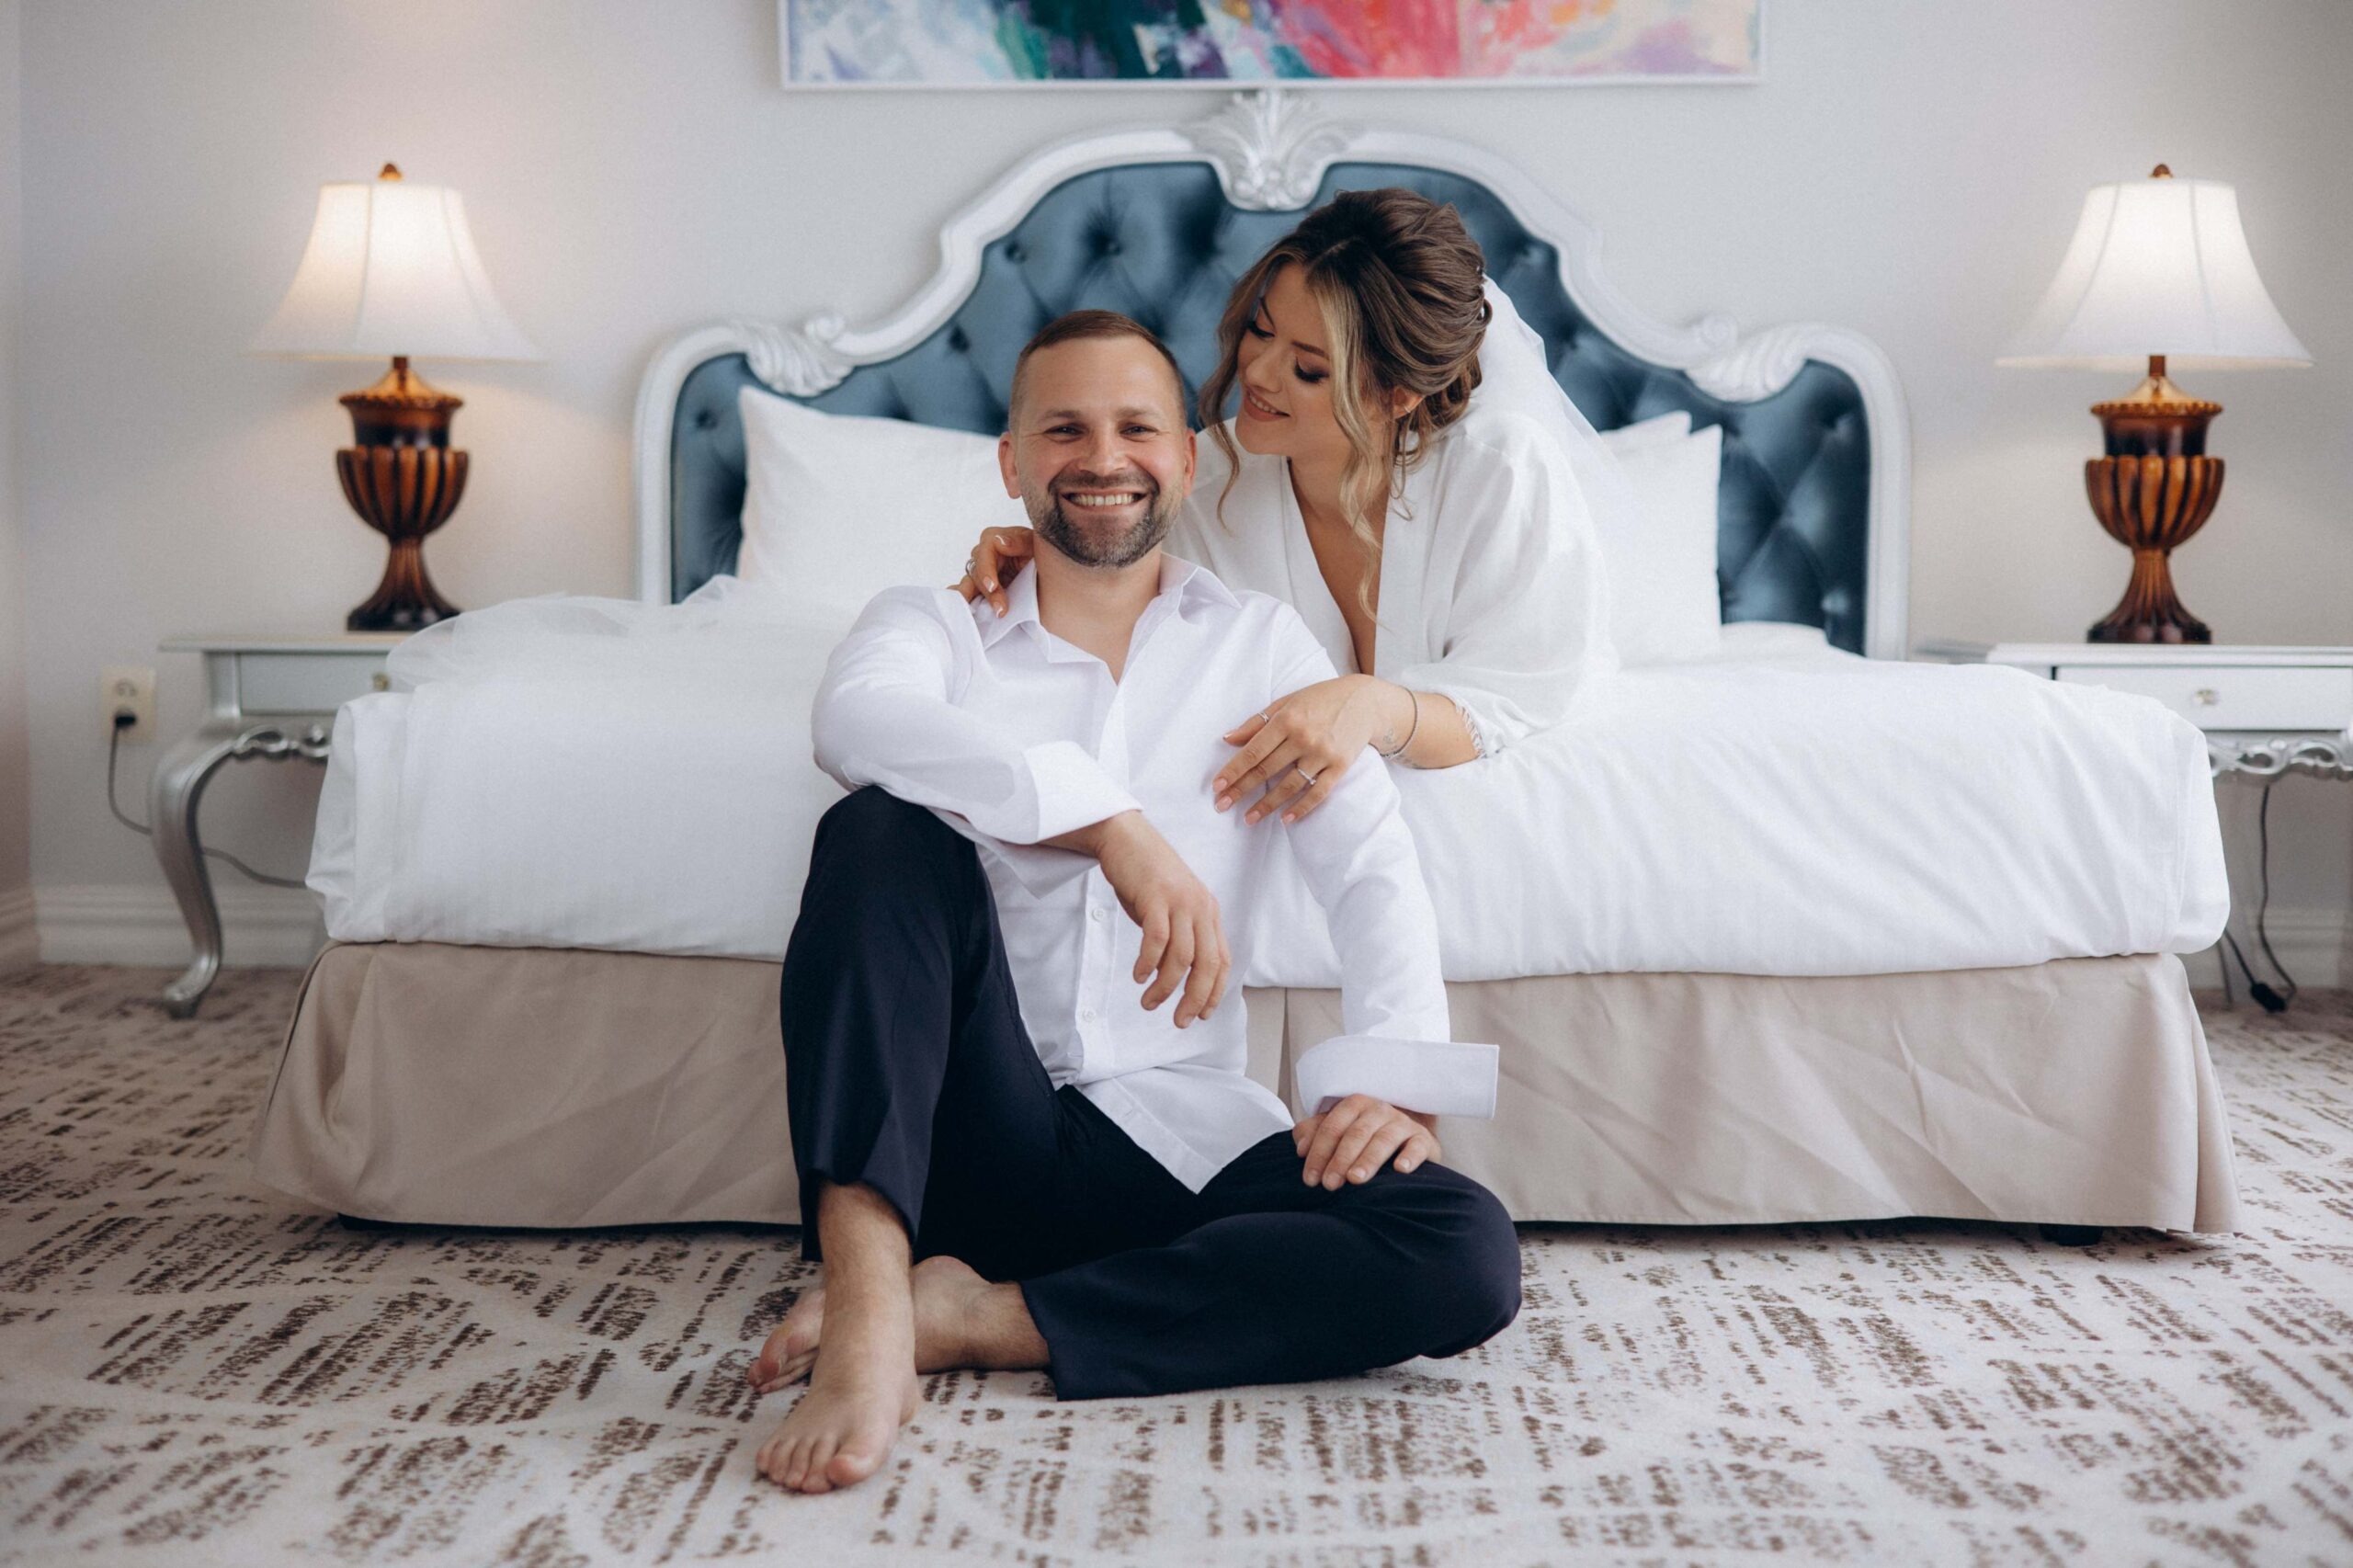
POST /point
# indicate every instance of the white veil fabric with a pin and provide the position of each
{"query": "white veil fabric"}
(1515, 374)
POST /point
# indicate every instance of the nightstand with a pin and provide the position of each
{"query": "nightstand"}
(2266, 711)
(272, 698)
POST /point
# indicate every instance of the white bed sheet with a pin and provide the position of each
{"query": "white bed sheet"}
(1782, 808)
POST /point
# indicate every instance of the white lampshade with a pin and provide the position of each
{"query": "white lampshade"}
(2157, 266)
(391, 269)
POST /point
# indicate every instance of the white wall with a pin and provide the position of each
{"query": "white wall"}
(16, 812)
(1911, 169)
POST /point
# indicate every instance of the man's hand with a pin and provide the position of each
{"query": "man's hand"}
(1350, 1140)
(1184, 937)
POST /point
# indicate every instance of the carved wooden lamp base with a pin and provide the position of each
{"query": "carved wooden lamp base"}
(2155, 489)
(403, 481)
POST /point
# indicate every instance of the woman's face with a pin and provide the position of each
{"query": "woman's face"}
(1286, 377)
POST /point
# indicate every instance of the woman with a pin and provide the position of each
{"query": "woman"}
(1400, 471)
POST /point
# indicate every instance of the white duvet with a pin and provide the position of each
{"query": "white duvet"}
(596, 774)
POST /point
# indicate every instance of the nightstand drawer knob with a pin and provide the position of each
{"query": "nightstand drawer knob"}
(381, 681)
(2280, 698)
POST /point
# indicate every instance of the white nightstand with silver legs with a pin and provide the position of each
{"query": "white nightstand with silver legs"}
(268, 696)
(2265, 710)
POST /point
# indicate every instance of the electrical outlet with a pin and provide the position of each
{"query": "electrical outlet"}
(129, 689)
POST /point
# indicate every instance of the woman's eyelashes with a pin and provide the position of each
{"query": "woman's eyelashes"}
(1310, 378)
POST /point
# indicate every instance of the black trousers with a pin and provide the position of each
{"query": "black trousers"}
(907, 1068)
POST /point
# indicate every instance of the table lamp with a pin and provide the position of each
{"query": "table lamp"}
(391, 269)
(2159, 270)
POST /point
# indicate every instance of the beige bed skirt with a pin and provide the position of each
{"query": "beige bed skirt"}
(549, 1087)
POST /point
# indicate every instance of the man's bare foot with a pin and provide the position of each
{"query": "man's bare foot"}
(944, 1289)
(861, 1392)
(791, 1346)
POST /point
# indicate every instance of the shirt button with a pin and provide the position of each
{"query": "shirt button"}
(1087, 1014)
(1096, 915)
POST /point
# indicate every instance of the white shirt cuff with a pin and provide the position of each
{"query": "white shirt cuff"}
(1071, 789)
(1436, 1077)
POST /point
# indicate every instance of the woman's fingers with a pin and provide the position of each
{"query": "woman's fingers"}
(1262, 770)
(998, 559)
(1316, 794)
(1251, 766)
(1302, 1131)
(1287, 786)
(1252, 724)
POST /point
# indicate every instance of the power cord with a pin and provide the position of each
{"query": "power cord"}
(2272, 1001)
(114, 745)
(2264, 996)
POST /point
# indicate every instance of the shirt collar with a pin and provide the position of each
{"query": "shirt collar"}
(1181, 582)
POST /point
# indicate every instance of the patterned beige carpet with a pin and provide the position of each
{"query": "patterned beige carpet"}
(192, 1371)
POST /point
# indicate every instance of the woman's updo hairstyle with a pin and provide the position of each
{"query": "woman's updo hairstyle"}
(1398, 283)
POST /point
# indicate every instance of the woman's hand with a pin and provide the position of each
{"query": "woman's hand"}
(999, 556)
(1350, 1140)
(1297, 749)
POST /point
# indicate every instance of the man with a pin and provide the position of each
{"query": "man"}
(1009, 1154)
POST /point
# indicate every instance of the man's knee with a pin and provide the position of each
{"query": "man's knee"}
(872, 817)
(1475, 1266)
(873, 846)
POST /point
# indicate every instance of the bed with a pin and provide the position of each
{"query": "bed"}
(1899, 940)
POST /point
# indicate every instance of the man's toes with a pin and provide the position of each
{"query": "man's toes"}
(796, 1460)
(815, 1474)
(856, 1460)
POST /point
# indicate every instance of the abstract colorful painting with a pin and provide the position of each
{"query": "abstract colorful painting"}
(1024, 42)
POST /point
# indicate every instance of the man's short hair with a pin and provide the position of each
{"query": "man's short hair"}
(1092, 324)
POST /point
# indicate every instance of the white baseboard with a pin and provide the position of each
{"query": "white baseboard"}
(2310, 942)
(261, 928)
(19, 932)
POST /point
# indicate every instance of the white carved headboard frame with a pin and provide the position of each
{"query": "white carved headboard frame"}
(1270, 150)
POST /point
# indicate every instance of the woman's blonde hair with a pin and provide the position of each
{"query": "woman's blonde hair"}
(1398, 282)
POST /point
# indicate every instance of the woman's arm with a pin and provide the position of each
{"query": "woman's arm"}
(1433, 735)
(1525, 624)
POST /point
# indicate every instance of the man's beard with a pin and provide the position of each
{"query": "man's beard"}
(1052, 518)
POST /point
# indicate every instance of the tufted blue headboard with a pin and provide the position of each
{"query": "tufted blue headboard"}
(1163, 241)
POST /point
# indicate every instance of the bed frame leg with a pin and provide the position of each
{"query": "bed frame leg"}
(2073, 1235)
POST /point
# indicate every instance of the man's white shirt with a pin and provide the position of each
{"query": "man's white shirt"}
(1015, 736)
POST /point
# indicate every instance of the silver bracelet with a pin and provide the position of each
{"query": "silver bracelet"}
(1416, 698)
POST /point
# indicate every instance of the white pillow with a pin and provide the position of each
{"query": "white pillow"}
(838, 507)
(1663, 605)
(1656, 431)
